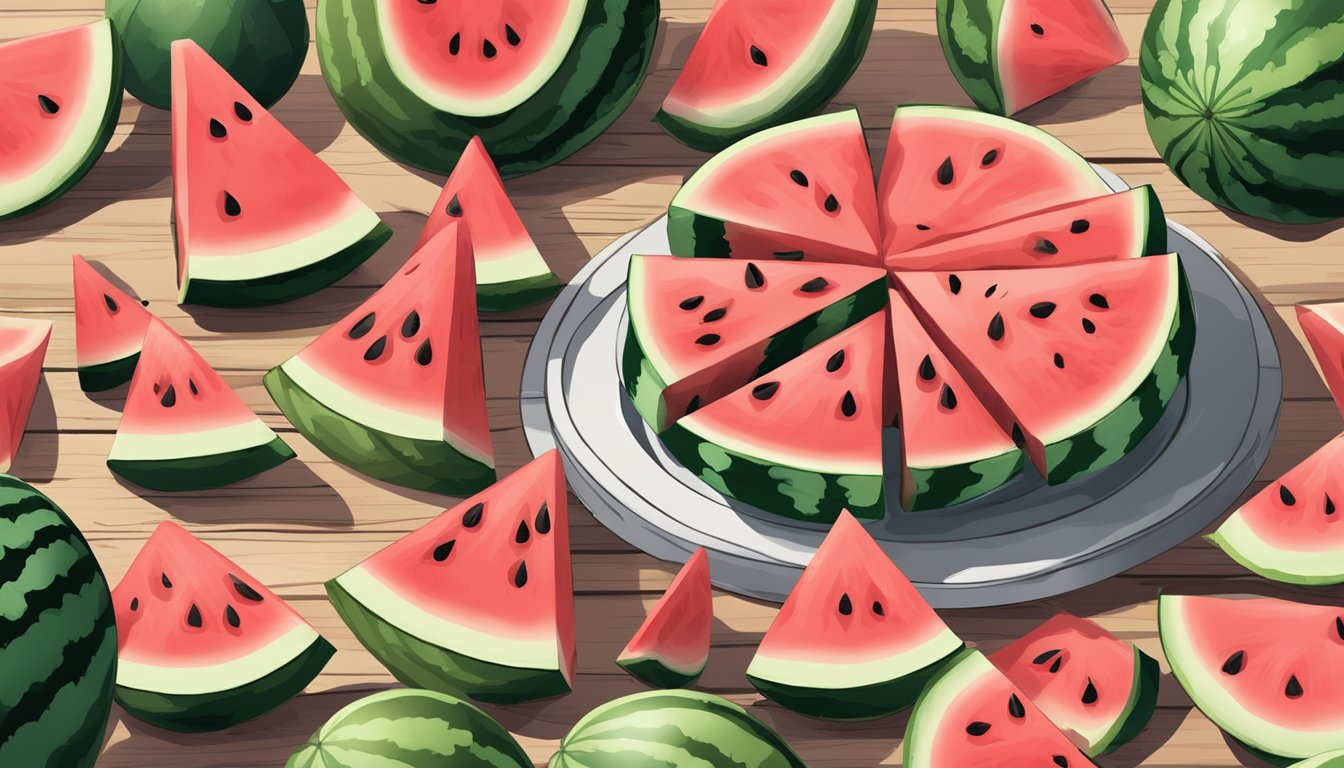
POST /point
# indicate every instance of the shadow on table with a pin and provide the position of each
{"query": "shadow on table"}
(1297, 233)
(1167, 720)
(39, 449)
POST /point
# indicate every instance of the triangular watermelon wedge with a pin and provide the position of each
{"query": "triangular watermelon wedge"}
(671, 648)
(1078, 362)
(854, 639)
(479, 600)
(1323, 325)
(258, 218)
(183, 428)
(110, 327)
(23, 347)
(396, 389)
(510, 272)
(201, 644)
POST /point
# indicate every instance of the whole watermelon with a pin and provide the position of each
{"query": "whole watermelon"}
(1245, 102)
(262, 43)
(58, 636)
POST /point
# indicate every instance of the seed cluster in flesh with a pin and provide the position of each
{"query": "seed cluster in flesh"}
(476, 515)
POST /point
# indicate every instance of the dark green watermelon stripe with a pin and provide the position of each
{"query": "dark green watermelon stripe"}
(372, 716)
(456, 747)
(63, 561)
(933, 488)
(23, 641)
(671, 735)
(968, 31)
(16, 505)
(1305, 22)
(105, 376)
(18, 533)
(613, 716)
(620, 758)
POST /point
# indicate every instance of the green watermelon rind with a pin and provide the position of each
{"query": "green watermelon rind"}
(657, 673)
(595, 83)
(516, 294)
(1334, 759)
(968, 31)
(109, 375)
(930, 488)
(1139, 710)
(1316, 568)
(194, 473)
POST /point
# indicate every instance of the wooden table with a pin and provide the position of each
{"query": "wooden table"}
(305, 522)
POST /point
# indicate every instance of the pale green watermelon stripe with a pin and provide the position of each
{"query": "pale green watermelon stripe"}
(18, 533)
(340, 757)
(661, 701)
(967, 30)
(1272, 161)
(39, 571)
(460, 751)
(41, 647)
(659, 727)
(403, 734)
(677, 755)
(621, 758)
(1305, 50)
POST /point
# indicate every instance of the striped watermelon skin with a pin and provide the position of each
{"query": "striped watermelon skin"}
(971, 58)
(659, 729)
(58, 636)
(1242, 99)
(409, 728)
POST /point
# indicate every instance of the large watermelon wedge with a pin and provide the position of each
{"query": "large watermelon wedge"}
(201, 644)
(183, 428)
(803, 190)
(759, 63)
(23, 348)
(479, 600)
(110, 328)
(1323, 325)
(60, 94)
(854, 639)
(396, 389)
(670, 649)
(1079, 361)
(259, 219)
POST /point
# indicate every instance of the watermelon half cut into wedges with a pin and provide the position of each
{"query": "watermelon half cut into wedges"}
(1094, 686)
(800, 191)
(949, 171)
(258, 218)
(23, 347)
(1079, 362)
(60, 95)
(952, 449)
(971, 716)
(854, 640)
(478, 601)
(183, 428)
(1266, 671)
(510, 272)
(1323, 325)
(1125, 225)
(202, 645)
(759, 63)
(396, 389)
(110, 327)
(670, 649)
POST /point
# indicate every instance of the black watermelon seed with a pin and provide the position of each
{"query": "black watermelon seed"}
(846, 607)
(360, 329)
(1339, 627)
(217, 129)
(1079, 226)
(231, 616)
(989, 158)
(789, 255)
(1061, 761)
(543, 523)
(520, 578)
(1045, 246)
(1015, 708)
(691, 303)
(191, 384)
(948, 398)
(693, 406)
(996, 329)
(194, 616)
(1038, 29)
(753, 276)
(708, 340)
(231, 206)
(922, 227)
(47, 104)
(758, 56)
(1286, 496)
(878, 609)
(1042, 309)
(426, 2)
(245, 590)
(425, 353)
(954, 283)
(991, 289)
(978, 728)
(411, 325)
(169, 398)
(454, 207)
(715, 315)
(472, 517)
(511, 35)
(375, 349)
(1054, 668)
(1293, 689)
(110, 302)
(1089, 326)
(144, 302)
(1018, 437)
(442, 551)
(1099, 301)
(926, 370)
(798, 177)
(814, 285)
(523, 534)
(847, 405)
(765, 391)
(135, 603)
(945, 174)
(455, 44)
(837, 360)
(242, 112)
(1090, 693)
(831, 204)
(1329, 505)
(1059, 360)
(488, 48)
(1234, 663)
(1044, 657)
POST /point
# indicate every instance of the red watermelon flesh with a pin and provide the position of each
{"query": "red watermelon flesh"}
(1323, 325)
(110, 327)
(949, 171)
(670, 649)
(1045, 46)
(23, 347)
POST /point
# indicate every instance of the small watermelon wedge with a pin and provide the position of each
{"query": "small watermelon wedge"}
(396, 390)
(60, 93)
(510, 272)
(1323, 325)
(1010, 54)
(258, 218)
(201, 644)
(23, 348)
(183, 428)
(478, 601)
(759, 63)
(110, 328)
(671, 648)
(1094, 686)
(854, 640)
(952, 450)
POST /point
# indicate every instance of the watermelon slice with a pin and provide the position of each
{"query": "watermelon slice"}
(396, 389)
(971, 716)
(479, 600)
(110, 327)
(1332, 759)
(1079, 361)
(510, 272)
(952, 450)
(23, 347)
(854, 640)
(670, 649)
(803, 190)
(1264, 670)
(949, 171)
(61, 97)
(1010, 54)
(1323, 325)
(183, 428)
(1125, 225)
(259, 219)
(700, 329)
(759, 63)
(202, 645)
(1093, 685)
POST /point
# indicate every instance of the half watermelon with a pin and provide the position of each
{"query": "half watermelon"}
(396, 389)
(670, 649)
(110, 328)
(478, 601)
(854, 639)
(258, 218)
(23, 348)
(202, 645)
(1323, 325)
(183, 428)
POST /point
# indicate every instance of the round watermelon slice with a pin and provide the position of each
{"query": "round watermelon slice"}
(759, 63)
(1323, 325)
(670, 649)
(202, 645)
(23, 347)
(854, 640)
(61, 97)
(478, 601)
(110, 328)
